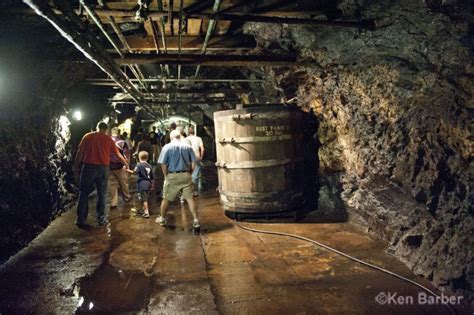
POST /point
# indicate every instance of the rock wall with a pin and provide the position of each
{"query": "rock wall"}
(36, 181)
(395, 110)
(35, 160)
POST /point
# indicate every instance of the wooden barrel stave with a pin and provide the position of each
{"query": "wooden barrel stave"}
(259, 159)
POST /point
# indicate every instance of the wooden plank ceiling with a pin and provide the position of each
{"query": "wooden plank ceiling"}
(140, 32)
(143, 45)
(225, 35)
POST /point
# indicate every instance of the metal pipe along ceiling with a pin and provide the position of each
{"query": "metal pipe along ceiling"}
(85, 43)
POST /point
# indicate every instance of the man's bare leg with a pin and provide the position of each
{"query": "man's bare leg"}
(145, 209)
(164, 207)
(161, 218)
(192, 207)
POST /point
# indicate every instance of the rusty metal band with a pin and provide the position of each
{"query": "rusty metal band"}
(256, 164)
(257, 139)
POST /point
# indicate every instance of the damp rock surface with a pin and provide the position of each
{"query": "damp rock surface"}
(36, 180)
(394, 107)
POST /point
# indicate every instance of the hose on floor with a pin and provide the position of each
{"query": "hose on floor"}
(348, 257)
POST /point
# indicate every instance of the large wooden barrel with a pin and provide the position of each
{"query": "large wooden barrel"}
(259, 159)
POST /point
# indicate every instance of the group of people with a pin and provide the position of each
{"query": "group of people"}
(103, 161)
(149, 142)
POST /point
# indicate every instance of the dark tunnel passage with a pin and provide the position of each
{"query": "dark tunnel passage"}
(299, 125)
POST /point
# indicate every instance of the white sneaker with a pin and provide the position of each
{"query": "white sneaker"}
(160, 220)
(196, 224)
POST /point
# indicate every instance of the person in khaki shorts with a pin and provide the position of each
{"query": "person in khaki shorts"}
(118, 176)
(177, 162)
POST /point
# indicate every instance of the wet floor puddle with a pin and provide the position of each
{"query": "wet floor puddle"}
(110, 290)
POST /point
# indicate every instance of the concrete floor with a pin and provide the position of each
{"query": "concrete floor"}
(136, 266)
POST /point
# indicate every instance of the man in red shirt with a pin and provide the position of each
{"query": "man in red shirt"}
(92, 165)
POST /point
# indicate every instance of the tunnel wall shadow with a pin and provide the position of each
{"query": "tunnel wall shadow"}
(322, 190)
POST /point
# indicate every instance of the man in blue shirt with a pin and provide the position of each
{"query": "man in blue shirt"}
(177, 161)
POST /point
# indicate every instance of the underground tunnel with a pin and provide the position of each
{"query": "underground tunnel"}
(325, 146)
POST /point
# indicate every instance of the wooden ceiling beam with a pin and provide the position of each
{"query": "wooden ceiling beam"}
(199, 6)
(118, 13)
(260, 18)
(109, 82)
(191, 42)
(212, 60)
(180, 103)
(73, 30)
(196, 91)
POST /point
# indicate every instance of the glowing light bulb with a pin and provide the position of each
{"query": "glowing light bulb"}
(77, 115)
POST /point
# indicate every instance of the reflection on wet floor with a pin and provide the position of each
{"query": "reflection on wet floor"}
(136, 266)
(111, 290)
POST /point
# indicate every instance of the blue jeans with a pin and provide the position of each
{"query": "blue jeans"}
(196, 176)
(92, 175)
